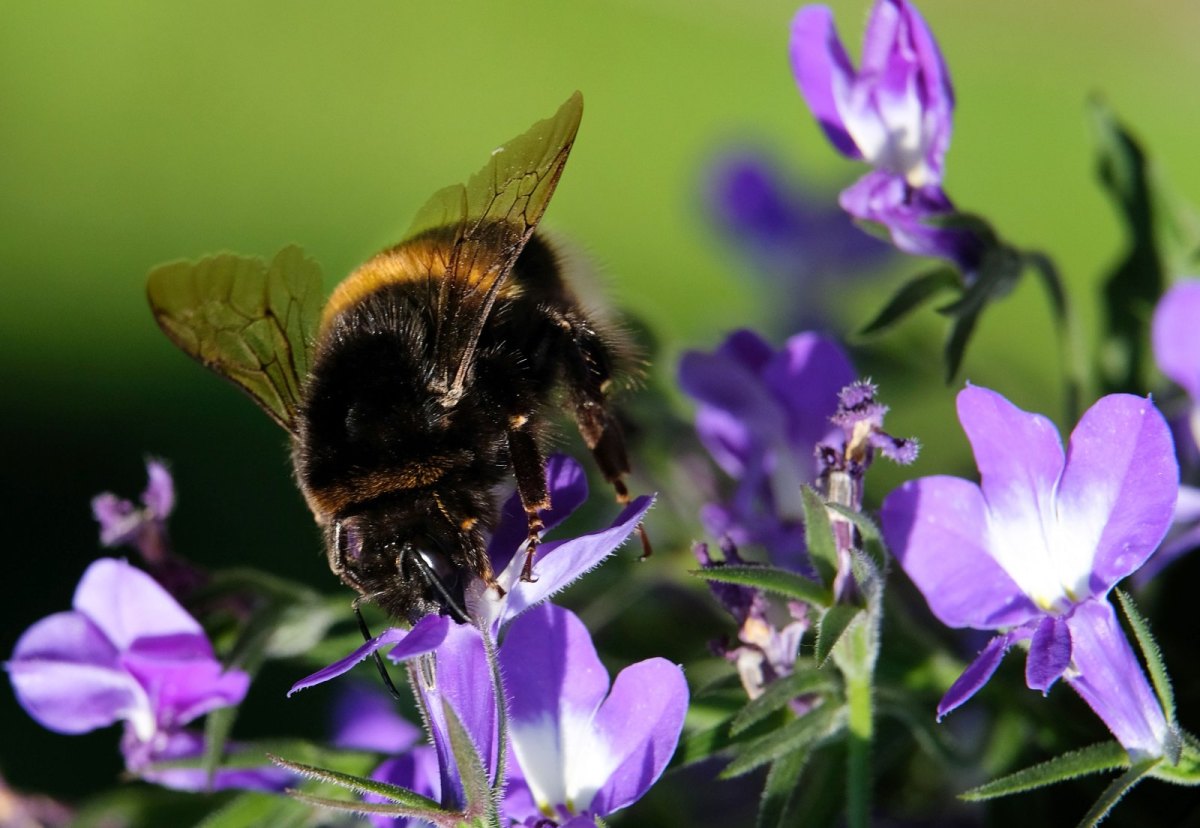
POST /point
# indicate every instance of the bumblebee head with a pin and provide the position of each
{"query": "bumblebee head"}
(411, 561)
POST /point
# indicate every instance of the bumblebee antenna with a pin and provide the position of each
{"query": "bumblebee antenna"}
(383, 673)
(452, 606)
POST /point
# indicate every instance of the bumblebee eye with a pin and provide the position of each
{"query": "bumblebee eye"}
(349, 541)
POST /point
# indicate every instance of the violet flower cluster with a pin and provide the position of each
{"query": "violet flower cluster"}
(895, 113)
(1033, 550)
(578, 747)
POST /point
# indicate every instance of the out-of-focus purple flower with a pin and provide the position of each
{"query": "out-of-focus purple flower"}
(1175, 335)
(1035, 548)
(128, 653)
(585, 748)
(767, 645)
(761, 415)
(912, 215)
(895, 113)
(144, 528)
(796, 239)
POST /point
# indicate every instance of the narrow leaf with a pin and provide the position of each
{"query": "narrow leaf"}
(253, 809)
(834, 621)
(912, 295)
(778, 806)
(778, 694)
(1105, 756)
(1152, 656)
(471, 772)
(1115, 792)
(360, 784)
(438, 817)
(818, 535)
(768, 578)
(217, 727)
(703, 744)
(805, 733)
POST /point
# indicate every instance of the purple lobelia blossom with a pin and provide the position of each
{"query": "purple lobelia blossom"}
(127, 652)
(761, 415)
(1033, 550)
(895, 113)
(585, 748)
(797, 240)
(144, 528)
(1176, 340)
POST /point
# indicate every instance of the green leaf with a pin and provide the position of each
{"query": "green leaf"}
(834, 621)
(998, 274)
(1105, 756)
(1153, 658)
(818, 535)
(1115, 792)
(778, 694)
(805, 733)
(768, 578)
(918, 291)
(471, 772)
(1185, 770)
(1135, 283)
(254, 809)
(703, 744)
(777, 809)
(217, 727)
(361, 785)
(438, 817)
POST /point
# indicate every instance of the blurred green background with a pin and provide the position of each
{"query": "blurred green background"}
(137, 132)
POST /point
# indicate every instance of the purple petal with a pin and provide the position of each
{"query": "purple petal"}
(1118, 491)
(186, 744)
(126, 604)
(1183, 537)
(416, 770)
(748, 349)
(807, 376)
(365, 719)
(183, 689)
(557, 564)
(824, 73)
(1049, 654)
(463, 681)
(976, 675)
(555, 682)
(424, 637)
(738, 417)
(1176, 336)
(1109, 677)
(639, 724)
(568, 488)
(936, 528)
(119, 520)
(67, 677)
(908, 214)
(576, 748)
(159, 496)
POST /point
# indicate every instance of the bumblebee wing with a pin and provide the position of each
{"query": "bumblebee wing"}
(253, 322)
(486, 224)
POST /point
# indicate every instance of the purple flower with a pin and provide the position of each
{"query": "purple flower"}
(1034, 548)
(585, 748)
(128, 653)
(894, 113)
(796, 239)
(122, 523)
(1176, 340)
(761, 415)
(766, 648)
(144, 528)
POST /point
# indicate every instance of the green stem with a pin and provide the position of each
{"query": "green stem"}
(858, 772)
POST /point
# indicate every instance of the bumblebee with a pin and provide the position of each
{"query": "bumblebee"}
(424, 380)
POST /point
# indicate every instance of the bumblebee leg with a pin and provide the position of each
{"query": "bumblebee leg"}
(530, 470)
(588, 376)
